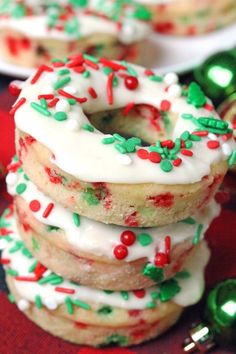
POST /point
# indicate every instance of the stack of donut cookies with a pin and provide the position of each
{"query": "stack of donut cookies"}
(113, 184)
(34, 32)
(190, 17)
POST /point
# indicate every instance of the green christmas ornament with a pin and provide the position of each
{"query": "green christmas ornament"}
(219, 321)
(217, 75)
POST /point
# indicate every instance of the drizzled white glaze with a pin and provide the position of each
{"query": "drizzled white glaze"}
(82, 154)
(100, 239)
(28, 290)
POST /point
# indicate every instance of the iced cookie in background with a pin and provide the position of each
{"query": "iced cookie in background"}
(32, 33)
(190, 17)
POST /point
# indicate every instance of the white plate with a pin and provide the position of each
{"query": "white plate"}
(178, 54)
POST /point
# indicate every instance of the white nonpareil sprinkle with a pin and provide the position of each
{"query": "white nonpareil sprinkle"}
(123, 159)
(171, 79)
(227, 151)
(174, 91)
(23, 305)
(50, 304)
(127, 32)
(212, 136)
(62, 105)
(73, 125)
(11, 179)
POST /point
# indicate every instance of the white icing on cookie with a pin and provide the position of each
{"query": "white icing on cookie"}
(82, 153)
(100, 239)
(51, 298)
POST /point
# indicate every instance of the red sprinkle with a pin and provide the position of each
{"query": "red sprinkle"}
(53, 102)
(168, 143)
(48, 210)
(91, 64)
(35, 205)
(68, 95)
(75, 62)
(139, 293)
(92, 92)
(79, 69)
(128, 108)
(143, 154)
(177, 162)
(64, 290)
(186, 152)
(209, 107)
(109, 88)
(114, 66)
(165, 105)
(128, 237)
(26, 278)
(148, 72)
(213, 144)
(40, 270)
(167, 245)
(14, 89)
(17, 106)
(39, 72)
(131, 82)
(201, 133)
(47, 97)
(155, 157)
(120, 252)
(5, 261)
(161, 259)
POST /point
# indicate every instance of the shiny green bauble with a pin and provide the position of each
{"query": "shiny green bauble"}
(220, 313)
(217, 75)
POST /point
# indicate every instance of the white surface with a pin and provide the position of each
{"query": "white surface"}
(178, 54)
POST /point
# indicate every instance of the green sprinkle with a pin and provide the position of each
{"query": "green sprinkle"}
(47, 279)
(11, 298)
(120, 148)
(184, 274)
(108, 292)
(119, 137)
(189, 221)
(71, 101)
(26, 177)
(109, 140)
(153, 272)
(61, 83)
(35, 244)
(51, 228)
(115, 82)
(107, 70)
(82, 304)
(76, 219)
(88, 127)
(194, 137)
(169, 289)
(166, 166)
(57, 281)
(155, 78)
(26, 253)
(144, 239)
(151, 305)
(12, 272)
(130, 69)
(116, 339)
(18, 245)
(69, 305)
(154, 295)
(38, 302)
(33, 267)
(63, 71)
(196, 96)
(91, 58)
(43, 103)
(197, 236)
(60, 116)
(185, 135)
(188, 144)
(232, 159)
(21, 188)
(125, 295)
(40, 109)
(86, 74)
(89, 196)
(105, 310)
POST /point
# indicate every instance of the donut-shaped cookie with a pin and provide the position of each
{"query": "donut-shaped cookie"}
(100, 255)
(73, 137)
(79, 313)
(189, 18)
(32, 35)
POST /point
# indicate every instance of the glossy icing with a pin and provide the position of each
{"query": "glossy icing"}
(191, 287)
(99, 238)
(83, 154)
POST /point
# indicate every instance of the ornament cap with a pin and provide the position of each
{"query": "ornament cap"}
(200, 339)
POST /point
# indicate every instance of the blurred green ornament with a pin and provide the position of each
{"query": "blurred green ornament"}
(217, 75)
(219, 321)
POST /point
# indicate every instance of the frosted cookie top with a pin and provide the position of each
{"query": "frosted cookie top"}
(56, 101)
(33, 281)
(101, 239)
(67, 20)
